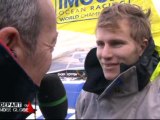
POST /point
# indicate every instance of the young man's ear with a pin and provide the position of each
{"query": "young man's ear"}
(143, 46)
(11, 38)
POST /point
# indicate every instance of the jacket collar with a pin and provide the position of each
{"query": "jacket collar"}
(142, 70)
(126, 83)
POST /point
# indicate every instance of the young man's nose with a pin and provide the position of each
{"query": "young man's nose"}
(107, 52)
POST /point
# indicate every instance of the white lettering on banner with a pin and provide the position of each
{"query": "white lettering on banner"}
(16, 107)
(10, 104)
(5, 110)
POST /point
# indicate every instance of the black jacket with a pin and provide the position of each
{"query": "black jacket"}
(15, 85)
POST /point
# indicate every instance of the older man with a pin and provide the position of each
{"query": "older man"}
(27, 38)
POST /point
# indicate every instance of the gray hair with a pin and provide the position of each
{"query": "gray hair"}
(24, 15)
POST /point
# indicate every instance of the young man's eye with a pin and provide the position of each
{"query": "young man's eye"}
(100, 44)
(117, 44)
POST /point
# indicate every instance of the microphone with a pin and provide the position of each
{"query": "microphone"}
(52, 97)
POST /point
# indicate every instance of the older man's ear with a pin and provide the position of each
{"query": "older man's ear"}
(11, 38)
